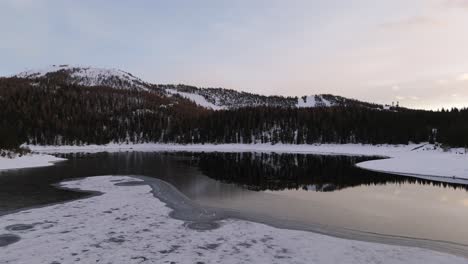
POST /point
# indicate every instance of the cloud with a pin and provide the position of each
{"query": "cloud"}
(463, 77)
(456, 3)
(411, 22)
(443, 198)
(396, 88)
(419, 53)
(464, 202)
(442, 82)
(21, 3)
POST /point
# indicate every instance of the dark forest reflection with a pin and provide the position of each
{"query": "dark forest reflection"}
(197, 174)
(260, 171)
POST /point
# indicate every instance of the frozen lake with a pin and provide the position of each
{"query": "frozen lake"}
(314, 190)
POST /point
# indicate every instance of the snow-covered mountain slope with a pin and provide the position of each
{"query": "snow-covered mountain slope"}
(219, 98)
(89, 76)
(314, 101)
(209, 98)
(197, 99)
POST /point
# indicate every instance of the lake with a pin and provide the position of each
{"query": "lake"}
(308, 189)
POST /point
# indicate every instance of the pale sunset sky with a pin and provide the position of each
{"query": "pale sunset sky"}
(411, 51)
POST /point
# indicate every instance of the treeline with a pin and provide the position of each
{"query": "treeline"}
(335, 125)
(51, 112)
(55, 114)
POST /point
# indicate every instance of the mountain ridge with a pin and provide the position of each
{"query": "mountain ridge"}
(62, 107)
(209, 98)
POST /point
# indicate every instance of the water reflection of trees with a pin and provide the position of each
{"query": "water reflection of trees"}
(260, 171)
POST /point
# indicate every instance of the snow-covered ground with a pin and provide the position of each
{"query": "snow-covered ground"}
(330, 149)
(424, 164)
(28, 161)
(414, 160)
(127, 224)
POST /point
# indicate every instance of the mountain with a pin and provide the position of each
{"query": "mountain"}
(88, 76)
(69, 105)
(219, 98)
(209, 98)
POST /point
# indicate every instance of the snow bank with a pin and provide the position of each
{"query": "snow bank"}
(326, 149)
(410, 160)
(431, 164)
(28, 161)
(128, 225)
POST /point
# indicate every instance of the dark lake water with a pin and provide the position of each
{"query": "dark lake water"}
(310, 189)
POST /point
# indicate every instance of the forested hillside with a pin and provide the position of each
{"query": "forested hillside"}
(67, 114)
(224, 99)
(210, 98)
(55, 111)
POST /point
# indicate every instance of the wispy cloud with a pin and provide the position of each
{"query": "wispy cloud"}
(411, 49)
(21, 3)
(463, 77)
(396, 88)
(456, 3)
(416, 21)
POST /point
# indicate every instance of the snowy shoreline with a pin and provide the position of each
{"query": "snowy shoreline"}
(415, 160)
(128, 224)
(28, 161)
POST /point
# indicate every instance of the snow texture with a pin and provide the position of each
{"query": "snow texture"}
(427, 164)
(127, 224)
(313, 101)
(28, 161)
(197, 99)
(91, 76)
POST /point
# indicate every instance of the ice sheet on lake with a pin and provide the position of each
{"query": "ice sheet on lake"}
(127, 224)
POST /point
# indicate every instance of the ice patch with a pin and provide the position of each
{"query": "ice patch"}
(126, 224)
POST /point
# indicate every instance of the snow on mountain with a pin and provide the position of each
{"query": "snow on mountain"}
(90, 76)
(218, 98)
(197, 99)
(313, 101)
(210, 98)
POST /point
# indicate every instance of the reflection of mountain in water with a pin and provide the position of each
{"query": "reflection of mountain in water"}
(260, 171)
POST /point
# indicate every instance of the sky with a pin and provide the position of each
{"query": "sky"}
(411, 51)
